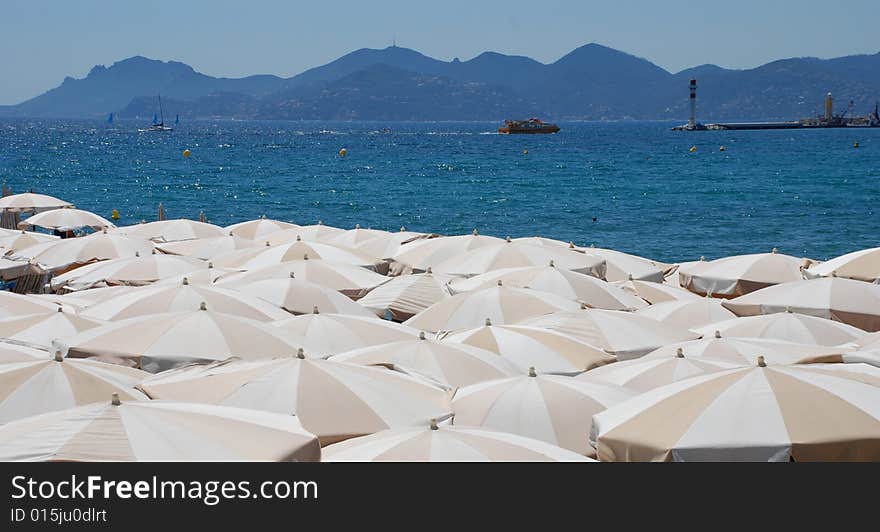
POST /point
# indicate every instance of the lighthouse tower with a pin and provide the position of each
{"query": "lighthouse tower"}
(692, 121)
(829, 107)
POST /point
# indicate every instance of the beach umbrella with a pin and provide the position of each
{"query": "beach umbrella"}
(510, 254)
(500, 304)
(14, 305)
(623, 334)
(386, 246)
(258, 229)
(64, 254)
(449, 364)
(183, 297)
(171, 230)
(760, 413)
(30, 202)
(734, 276)
(41, 329)
(644, 374)
(446, 443)
(553, 408)
(86, 298)
(267, 255)
(325, 334)
(853, 302)
(787, 326)
(300, 297)
(13, 270)
(334, 401)
(66, 220)
(117, 430)
(357, 236)
(206, 248)
(428, 253)
(526, 347)
(407, 295)
(688, 313)
(20, 240)
(745, 351)
(586, 289)
(868, 341)
(653, 292)
(543, 241)
(159, 341)
(310, 233)
(862, 265)
(621, 266)
(135, 271)
(11, 352)
(51, 383)
(352, 281)
(206, 276)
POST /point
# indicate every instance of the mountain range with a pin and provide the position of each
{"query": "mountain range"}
(592, 82)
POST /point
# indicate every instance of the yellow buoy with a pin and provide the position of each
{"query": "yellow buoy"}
(693, 149)
(722, 148)
(525, 152)
(186, 153)
(115, 214)
(855, 144)
(342, 152)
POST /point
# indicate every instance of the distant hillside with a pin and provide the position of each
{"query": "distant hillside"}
(593, 82)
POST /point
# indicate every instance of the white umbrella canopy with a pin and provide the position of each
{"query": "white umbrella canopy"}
(300, 297)
(385, 246)
(655, 293)
(135, 271)
(586, 289)
(428, 253)
(17, 241)
(621, 266)
(13, 305)
(52, 383)
(446, 444)
(500, 304)
(258, 229)
(207, 248)
(741, 274)
(207, 276)
(65, 253)
(171, 230)
(869, 341)
(11, 352)
(323, 335)
(407, 295)
(183, 297)
(42, 329)
(66, 220)
(30, 202)
(161, 341)
(352, 281)
(862, 265)
(86, 298)
(787, 326)
(449, 364)
(623, 334)
(688, 313)
(511, 254)
(335, 401)
(645, 374)
(553, 408)
(853, 302)
(308, 233)
(762, 413)
(157, 431)
(745, 351)
(526, 347)
(357, 236)
(543, 241)
(268, 255)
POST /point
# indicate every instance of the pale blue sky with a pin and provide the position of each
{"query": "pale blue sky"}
(41, 41)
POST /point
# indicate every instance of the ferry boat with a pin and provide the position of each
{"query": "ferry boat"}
(532, 125)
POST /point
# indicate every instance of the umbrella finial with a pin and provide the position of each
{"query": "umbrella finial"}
(500, 283)
(434, 424)
(298, 238)
(153, 252)
(137, 253)
(357, 226)
(571, 244)
(717, 334)
(761, 363)
(475, 231)
(115, 400)
(320, 222)
(708, 293)
(532, 372)
(58, 356)
(268, 244)
(679, 353)
(210, 265)
(104, 230)
(774, 250)
(552, 264)
(60, 309)
(507, 239)
(488, 322)
(629, 277)
(402, 228)
(788, 310)
(421, 335)
(305, 256)
(702, 258)
(300, 354)
(429, 270)
(263, 217)
(185, 282)
(203, 306)
(315, 309)
(292, 275)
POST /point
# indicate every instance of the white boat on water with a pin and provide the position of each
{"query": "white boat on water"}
(159, 125)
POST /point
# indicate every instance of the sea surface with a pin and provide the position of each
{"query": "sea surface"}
(631, 186)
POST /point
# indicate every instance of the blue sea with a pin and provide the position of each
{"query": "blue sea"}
(631, 186)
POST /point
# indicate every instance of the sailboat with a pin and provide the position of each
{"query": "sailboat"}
(110, 119)
(160, 125)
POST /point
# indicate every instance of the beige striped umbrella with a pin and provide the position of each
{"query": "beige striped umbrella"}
(428, 253)
(862, 265)
(51, 383)
(449, 364)
(31, 202)
(621, 266)
(12, 305)
(267, 255)
(551, 408)
(41, 329)
(61, 255)
(23, 240)
(622, 334)
(300, 297)
(135, 271)
(182, 297)
(206, 248)
(655, 293)
(853, 302)
(66, 220)
(734, 276)
(688, 313)
(157, 431)
(171, 230)
(511, 254)
(644, 374)
(258, 229)
(11, 352)
(352, 281)
(310, 233)
(407, 295)
(745, 351)
(446, 444)
(500, 304)
(586, 289)
(161, 341)
(787, 326)
(335, 401)
(761, 413)
(526, 347)
(324, 334)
